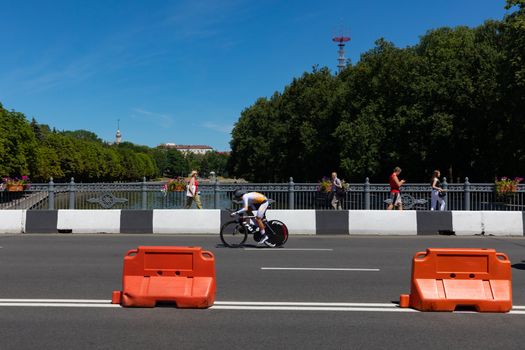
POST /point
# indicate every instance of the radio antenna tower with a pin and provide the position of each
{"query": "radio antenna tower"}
(341, 40)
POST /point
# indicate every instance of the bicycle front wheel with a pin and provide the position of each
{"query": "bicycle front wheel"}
(233, 235)
(277, 232)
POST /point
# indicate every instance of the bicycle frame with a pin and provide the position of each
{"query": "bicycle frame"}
(245, 218)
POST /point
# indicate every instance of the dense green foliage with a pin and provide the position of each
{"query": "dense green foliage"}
(29, 148)
(455, 102)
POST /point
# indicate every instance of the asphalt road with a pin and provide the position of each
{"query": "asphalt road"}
(321, 292)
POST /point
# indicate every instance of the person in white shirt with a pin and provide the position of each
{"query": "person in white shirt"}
(436, 197)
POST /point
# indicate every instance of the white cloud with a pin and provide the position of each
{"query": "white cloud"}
(164, 120)
(224, 128)
(204, 19)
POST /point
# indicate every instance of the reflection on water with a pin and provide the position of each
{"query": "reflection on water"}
(177, 200)
(155, 199)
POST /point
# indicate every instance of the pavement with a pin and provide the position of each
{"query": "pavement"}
(318, 292)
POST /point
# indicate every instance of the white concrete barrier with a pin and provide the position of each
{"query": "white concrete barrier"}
(297, 221)
(382, 222)
(89, 221)
(308, 222)
(467, 223)
(12, 221)
(502, 223)
(187, 221)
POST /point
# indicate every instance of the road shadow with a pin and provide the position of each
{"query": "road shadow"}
(446, 233)
(519, 266)
(242, 246)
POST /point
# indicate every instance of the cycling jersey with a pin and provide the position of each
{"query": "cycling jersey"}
(254, 201)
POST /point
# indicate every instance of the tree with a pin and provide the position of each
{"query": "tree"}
(176, 164)
(454, 101)
(214, 161)
(47, 165)
(290, 134)
(83, 135)
(17, 144)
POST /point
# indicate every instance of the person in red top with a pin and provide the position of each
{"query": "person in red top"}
(395, 185)
(192, 191)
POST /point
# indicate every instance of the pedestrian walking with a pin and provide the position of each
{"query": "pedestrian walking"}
(337, 192)
(395, 190)
(192, 191)
(437, 201)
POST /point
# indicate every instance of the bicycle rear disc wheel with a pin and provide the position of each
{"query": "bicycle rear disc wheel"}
(277, 232)
(233, 235)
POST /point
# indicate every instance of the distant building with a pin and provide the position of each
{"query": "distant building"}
(196, 149)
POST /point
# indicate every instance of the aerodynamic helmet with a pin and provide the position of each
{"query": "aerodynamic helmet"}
(239, 193)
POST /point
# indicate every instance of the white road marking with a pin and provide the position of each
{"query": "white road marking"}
(318, 306)
(319, 269)
(308, 308)
(62, 305)
(239, 305)
(284, 303)
(69, 301)
(97, 303)
(291, 249)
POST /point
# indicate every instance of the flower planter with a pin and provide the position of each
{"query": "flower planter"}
(15, 188)
(175, 185)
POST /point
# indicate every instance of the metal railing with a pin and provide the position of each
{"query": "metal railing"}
(216, 195)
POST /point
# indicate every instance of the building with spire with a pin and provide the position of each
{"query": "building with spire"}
(118, 136)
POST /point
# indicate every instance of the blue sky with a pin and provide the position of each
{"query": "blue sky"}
(183, 71)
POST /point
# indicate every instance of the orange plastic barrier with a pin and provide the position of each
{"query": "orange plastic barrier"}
(181, 275)
(450, 278)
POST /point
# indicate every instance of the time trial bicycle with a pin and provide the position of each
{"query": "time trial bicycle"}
(234, 233)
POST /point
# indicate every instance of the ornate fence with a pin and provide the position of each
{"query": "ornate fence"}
(214, 195)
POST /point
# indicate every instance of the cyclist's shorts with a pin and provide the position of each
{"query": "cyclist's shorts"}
(261, 210)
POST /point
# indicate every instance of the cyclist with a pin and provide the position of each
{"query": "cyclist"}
(254, 201)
